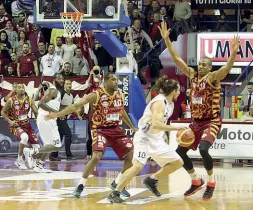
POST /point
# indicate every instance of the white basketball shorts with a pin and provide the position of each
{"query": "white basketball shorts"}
(48, 130)
(157, 149)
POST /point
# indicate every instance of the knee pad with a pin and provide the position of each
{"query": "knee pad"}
(24, 138)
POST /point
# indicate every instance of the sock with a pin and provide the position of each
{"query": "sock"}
(193, 176)
(82, 181)
(118, 178)
(153, 177)
(210, 178)
(20, 157)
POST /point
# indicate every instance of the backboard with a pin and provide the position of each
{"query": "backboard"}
(96, 11)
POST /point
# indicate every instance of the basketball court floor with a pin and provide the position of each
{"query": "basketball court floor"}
(26, 190)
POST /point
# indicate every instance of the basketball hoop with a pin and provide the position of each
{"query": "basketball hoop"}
(72, 23)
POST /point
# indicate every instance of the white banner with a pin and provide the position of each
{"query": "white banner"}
(234, 141)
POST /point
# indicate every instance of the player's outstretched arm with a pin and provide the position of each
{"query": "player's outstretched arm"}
(91, 98)
(127, 120)
(224, 70)
(158, 109)
(188, 71)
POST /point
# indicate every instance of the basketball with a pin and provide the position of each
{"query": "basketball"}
(185, 137)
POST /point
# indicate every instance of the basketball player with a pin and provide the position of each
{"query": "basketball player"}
(149, 142)
(109, 110)
(205, 110)
(48, 129)
(15, 112)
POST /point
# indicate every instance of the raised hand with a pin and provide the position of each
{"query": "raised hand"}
(164, 30)
(235, 43)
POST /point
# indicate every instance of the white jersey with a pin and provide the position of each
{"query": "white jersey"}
(144, 124)
(54, 103)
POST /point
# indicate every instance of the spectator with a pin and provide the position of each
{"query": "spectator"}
(4, 40)
(249, 115)
(50, 63)
(103, 57)
(201, 17)
(139, 35)
(222, 26)
(14, 63)
(250, 23)
(18, 46)
(35, 37)
(4, 62)
(247, 99)
(5, 52)
(58, 47)
(185, 112)
(68, 49)
(22, 23)
(12, 34)
(154, 8)
(66, 70)
(10, 72)
(136, 14)
(245, 20)
(79, 64)
(27, 63)
(182, 16)
(4, 17)
(40, 53)
(154, 31)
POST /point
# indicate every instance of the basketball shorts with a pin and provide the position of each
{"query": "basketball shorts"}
(33, 139)
(114, 137)
(205, 130)
(48, 130)
(157, 149)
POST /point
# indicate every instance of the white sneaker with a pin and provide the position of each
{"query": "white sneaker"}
(40, 169)
(21, 164)
(28, 156)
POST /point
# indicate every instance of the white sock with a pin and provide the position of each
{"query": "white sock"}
(193, 176)
(210, 178)
(117, 180)
(20, 157)
(153, 177)
(82, 181)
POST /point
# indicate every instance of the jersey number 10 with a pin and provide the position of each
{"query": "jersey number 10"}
(117, 102)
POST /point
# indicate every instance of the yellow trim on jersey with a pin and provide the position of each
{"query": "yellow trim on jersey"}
(96, 102)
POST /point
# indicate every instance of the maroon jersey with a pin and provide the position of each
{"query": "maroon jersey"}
(205, 98)
(108, 109)
(19, 110)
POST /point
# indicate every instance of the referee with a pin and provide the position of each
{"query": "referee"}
(63, 127)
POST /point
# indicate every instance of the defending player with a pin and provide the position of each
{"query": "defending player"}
(109, 110)
(149, 142)
(15, 112)
(205, 110)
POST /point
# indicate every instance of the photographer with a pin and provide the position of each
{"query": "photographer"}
(95, 80)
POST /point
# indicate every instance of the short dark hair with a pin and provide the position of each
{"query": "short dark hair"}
(207, 58)
(67, 63)
(107, 76)
(57, 75)
(250, 83)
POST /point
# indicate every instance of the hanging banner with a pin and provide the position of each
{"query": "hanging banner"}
(221, 4)
(217, 46)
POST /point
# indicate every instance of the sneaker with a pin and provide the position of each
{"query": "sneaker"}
(28, 153)
(151, 184)
(208, 194)
(195, 187)
(78, 191)
(21, 164)
(123, 192)
(114, 197)
(39, 168)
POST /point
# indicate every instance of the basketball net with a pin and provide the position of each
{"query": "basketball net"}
(72, 22)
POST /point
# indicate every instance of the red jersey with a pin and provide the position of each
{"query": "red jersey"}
(19, 110)
(26, 64)
(108, 109)
(205, 98)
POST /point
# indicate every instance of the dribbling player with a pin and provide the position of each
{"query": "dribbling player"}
(149, 142)
(205, 110)
(48, 129)
(108, 104)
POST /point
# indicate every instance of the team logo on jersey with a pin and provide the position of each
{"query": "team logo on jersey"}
(28, 59)
(105, 103)
(16, 102)
(104, 97)
(128, 145)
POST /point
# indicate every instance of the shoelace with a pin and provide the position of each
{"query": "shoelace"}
(209, 190)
